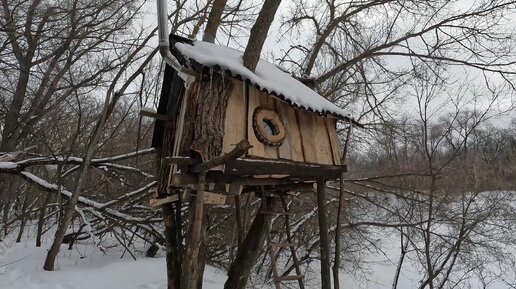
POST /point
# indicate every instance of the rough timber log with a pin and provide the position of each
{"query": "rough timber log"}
(205, 114)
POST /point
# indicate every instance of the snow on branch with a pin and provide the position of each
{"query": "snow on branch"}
(102, 207)
(77, 160)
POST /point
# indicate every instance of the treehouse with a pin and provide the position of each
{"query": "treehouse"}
(214, 103)
(223, 130)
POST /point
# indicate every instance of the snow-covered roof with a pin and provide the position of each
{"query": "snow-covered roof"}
(267, 77)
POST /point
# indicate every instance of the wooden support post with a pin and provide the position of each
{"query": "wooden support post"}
(192, 271)
(235, 190)
(193, 265)
(323, 235)
(336, 262)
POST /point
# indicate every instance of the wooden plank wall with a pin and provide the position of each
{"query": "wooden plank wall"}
(316, 142)
(235, 126)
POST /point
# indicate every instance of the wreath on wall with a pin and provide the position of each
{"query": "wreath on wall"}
(268, 127)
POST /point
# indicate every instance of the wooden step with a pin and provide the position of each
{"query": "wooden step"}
(155, 203)
(179, 160)
(276, 213)
(289, 278)
(286, 245)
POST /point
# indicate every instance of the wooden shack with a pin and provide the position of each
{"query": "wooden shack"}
(215, 103)
(222, 130)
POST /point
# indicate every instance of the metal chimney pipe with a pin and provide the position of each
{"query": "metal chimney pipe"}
(164, 44)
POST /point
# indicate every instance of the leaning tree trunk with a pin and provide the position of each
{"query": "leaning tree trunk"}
(249, 251)
(68, 215)
(80, 181)
(259, 33)
(214, 19)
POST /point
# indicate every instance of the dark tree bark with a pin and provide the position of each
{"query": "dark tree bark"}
(172, 222)
(41, 219)
(171, 215)
(336, 262)
(259, 33)
(214, 19)
(323, 233)
(206, 113)
(249, 251)
(23, 219)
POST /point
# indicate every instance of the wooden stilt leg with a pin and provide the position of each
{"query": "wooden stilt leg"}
(336, 262)
(323, 235)
(192, 270)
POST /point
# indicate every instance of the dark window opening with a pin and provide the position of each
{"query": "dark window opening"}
(271, 128)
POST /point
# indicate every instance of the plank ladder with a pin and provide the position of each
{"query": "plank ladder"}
(274, 248)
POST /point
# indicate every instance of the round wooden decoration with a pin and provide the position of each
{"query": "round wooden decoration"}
(268, 127)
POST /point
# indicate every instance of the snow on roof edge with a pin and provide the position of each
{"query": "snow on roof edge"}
(267, 77)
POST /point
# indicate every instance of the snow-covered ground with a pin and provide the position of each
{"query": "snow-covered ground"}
(84, 267)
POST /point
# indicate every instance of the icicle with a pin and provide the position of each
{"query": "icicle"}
(223, 80)
(211, 81)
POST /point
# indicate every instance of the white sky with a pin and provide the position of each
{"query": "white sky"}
(275, 45)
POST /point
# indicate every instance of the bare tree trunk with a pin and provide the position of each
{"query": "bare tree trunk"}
(41, 219)
(68, 213)
(210, 33)
(259, 33)
(9, 184)
(23, 218)
(323, 233)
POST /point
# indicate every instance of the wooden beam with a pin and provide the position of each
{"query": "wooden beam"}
(236, 152)
(152, 114)
(178, 160)
(251, 167)
(154, 203)
(196, 239)
(188, 180)
(214, 199)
